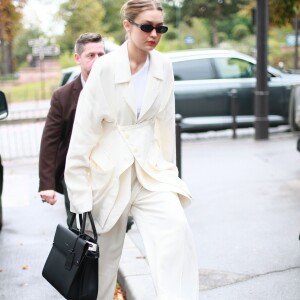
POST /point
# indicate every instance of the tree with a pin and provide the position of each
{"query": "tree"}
(22, 50)
(283, 12)
(112, 22)
(80, 16)
(213, 11)
(10, 19)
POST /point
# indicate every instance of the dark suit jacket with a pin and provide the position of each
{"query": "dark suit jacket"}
(56, 135)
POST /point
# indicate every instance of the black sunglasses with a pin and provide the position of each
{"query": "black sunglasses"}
(148, 27)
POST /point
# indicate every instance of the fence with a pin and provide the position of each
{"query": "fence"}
(21, 132)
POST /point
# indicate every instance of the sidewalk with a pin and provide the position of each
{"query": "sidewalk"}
(245, 218)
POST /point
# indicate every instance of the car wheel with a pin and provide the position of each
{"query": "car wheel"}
(294, 109)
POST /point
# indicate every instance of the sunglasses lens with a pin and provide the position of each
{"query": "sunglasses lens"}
(161, 29)
(147, 27)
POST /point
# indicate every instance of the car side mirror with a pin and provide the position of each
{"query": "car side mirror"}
(3, 106)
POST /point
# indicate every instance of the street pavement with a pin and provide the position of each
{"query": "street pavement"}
(245, 218)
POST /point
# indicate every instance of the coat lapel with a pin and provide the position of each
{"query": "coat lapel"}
(77, 87)
(155, 76)
(123, 76)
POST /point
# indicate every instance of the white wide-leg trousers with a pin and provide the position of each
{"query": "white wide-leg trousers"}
(168, 243)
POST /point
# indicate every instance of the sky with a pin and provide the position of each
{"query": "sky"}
(42, 14)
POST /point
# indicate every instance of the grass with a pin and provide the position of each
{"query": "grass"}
(30, 91)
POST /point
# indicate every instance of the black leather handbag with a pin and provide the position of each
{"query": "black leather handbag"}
(72, 264)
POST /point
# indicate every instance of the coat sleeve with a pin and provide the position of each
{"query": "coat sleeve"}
(49, 144)
(165, 120)
(87, 130)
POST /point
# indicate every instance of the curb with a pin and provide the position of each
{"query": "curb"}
(134, 274)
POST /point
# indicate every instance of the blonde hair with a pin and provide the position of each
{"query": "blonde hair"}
(132, 8)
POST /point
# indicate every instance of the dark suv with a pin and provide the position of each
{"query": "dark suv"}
(3, 115)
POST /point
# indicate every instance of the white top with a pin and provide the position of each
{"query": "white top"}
(139, 80)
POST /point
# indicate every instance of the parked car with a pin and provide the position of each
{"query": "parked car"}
(206, 79)
(3, 115)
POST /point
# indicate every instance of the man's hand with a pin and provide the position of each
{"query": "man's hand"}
(48, 196)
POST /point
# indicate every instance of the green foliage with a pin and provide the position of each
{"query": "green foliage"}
(221, 9)
(171, 34)
(199, 32)
(239, 32)
(223, 36)
(247, 45)
(173, 13)
(112, 22)
(10, 24)
(237, 23)
(66, 60)
(215, 12)
(283, 12)
(279, 52)
(22, 51)
(80, 16)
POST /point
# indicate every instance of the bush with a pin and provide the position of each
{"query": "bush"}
(66, 60)
(240, 31)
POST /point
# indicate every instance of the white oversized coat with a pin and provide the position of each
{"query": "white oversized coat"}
(108, 138)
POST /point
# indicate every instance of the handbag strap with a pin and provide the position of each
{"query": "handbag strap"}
(82, 220)
(92, 224)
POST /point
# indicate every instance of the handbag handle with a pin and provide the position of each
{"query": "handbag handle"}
(82, 220)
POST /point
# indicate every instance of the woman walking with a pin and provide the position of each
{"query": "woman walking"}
(121, 158)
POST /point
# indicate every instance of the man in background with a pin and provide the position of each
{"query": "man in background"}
(59, 123)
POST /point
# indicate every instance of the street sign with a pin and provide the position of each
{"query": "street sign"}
(41, 48)
(291, 39)
(45, 50)
(189, 40)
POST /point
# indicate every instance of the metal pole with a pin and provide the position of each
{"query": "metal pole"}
(234, 110)
(261, 123)
(178, 119)
(42, 71)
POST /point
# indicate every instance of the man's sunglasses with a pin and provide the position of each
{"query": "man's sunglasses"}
(148, 27)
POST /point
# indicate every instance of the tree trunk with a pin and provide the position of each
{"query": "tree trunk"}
(6, 54)
(2, 57)
(10, 58)
(2, 44)
(6, 58)
(214, 30)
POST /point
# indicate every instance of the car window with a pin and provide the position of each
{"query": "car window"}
(65, 78)
(228, 67)
(194, 69)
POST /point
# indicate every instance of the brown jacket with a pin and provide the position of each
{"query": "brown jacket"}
(56, 135)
